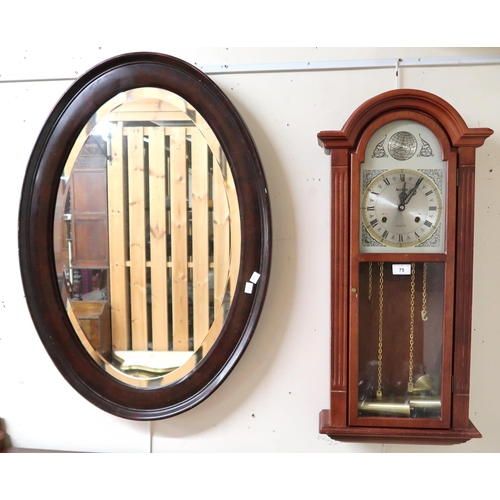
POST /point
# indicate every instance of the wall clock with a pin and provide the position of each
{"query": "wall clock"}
(402, 245)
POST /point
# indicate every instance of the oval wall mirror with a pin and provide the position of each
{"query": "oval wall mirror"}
(145, 236)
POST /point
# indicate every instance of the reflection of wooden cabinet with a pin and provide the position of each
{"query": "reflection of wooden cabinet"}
(3, 439)
(89, 214)
(94, 318)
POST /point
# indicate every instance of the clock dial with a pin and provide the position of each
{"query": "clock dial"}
(401, 208)
(402, 195)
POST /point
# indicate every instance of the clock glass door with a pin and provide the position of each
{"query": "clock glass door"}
(400, 339)
(402, 273)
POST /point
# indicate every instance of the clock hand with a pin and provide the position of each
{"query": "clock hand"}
(413, 191)
(403, 194)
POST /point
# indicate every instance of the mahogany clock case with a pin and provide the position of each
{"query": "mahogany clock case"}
(451, 272)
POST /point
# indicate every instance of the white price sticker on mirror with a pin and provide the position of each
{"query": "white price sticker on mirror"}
(255, 277)
(253, 281)
(401, 269)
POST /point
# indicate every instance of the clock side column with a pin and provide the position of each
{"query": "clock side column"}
(463, 287)
(339, 287)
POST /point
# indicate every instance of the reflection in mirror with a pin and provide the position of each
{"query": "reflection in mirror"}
(147, 237)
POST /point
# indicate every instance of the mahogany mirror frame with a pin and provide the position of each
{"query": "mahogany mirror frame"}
(36, 224)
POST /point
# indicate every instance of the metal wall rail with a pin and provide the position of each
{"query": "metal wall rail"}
(350, 64)
(226, 69)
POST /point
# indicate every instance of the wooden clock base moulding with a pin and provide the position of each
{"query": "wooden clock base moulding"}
(392, 435)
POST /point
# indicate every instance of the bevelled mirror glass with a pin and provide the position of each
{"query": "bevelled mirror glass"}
(145, 236)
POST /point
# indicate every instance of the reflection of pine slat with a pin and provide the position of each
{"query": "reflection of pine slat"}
(143, 105)
(137, 231)
(199, 175)
(235, 243)
(221, 243)
(158, 238)
(169, 227)
(151, 116)
(179, 239)
(118, 288)
(168, 264)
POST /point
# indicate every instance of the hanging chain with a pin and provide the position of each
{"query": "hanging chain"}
(424, 293)
(370, 281)
(380, 321)
(412, 328)
(412, 319)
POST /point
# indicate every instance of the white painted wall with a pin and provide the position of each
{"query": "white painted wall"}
(271, 401)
